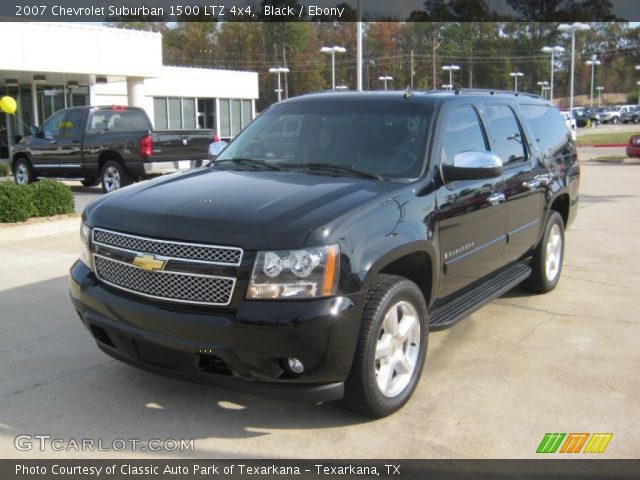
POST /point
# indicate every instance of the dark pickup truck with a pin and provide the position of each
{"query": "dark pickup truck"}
(112, 145)
(313, 266)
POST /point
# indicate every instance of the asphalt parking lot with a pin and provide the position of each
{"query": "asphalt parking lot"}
(493, 384)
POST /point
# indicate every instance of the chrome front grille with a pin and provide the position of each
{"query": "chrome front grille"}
(117, 259)
(178, 250)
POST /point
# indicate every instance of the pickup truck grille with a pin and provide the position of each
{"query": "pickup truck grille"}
(119, 261)
(179, 250)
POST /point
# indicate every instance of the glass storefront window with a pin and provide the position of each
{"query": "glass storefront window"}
(246, 113)
(160, 114)
(189, 113)
(236, 117)
(175, 114)
(225, 121)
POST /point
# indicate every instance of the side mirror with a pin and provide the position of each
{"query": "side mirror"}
(216, 149)
(473, 166)
(34, 130)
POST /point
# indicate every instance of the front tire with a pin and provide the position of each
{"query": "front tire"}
(114, 176)
(23, 172)
(548, 258)
(391, 348)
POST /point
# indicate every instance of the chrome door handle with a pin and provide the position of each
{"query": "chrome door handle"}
(496, 198)
(532, 184)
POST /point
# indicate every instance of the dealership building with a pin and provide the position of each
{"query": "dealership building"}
(49, 66)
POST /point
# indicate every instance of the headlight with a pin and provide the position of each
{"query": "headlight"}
(304, 273)
(85, 253)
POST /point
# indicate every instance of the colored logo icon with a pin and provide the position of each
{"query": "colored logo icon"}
(574, 443)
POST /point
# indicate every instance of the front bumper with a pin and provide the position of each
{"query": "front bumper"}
(239, 348)
(161, 168)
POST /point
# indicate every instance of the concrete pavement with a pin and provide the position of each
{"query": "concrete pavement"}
(493, 384)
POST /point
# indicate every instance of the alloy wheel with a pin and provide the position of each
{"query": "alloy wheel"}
(397, 349)
(553, 258)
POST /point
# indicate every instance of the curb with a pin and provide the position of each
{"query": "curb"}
(14, 233)
(604, 145)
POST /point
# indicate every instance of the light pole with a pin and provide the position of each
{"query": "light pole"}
(638, 83)
(385, 79)
(573, 28)
(333, 51)
(552, 51)
(543, 86)
(278, 71)
(600, 89)
(515, 76)
(451, 69)
(593, 62)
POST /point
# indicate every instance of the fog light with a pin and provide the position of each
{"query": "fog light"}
(295, 365)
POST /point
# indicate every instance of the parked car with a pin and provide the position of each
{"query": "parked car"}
(112, 145)
(613, 114)
(632, 115)
(633, 148)
(570, 123)
(314, 268)
(589, 116)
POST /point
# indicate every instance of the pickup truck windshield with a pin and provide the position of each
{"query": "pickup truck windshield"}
(374, 139)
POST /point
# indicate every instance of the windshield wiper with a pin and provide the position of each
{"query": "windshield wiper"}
(248, 161)
(332, 167)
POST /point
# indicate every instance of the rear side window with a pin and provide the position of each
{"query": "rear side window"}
(507, 142)
(118, 120)
(463, 133)
(548, 126)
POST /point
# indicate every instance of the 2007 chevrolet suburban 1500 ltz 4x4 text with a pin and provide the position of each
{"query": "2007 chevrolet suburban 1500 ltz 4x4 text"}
(311, 261)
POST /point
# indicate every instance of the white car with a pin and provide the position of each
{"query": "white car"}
(570, 123)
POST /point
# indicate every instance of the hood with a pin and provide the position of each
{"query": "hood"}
(249, 209)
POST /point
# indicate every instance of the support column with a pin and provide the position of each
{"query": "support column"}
(34, 104)
(135, 92)
(218, 132)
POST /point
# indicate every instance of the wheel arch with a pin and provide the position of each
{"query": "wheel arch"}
(414, 262)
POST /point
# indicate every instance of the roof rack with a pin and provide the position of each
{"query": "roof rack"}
(488, 91)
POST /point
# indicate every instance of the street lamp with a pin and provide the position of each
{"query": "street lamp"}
(451, 69)
(278, 71)
(543, 85)
(552, 51)
(333, 51)
(600, 89)
(515, 76)
(593, 62)
(385, 79)
(573, 28)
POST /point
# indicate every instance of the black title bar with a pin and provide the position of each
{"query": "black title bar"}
(320, 10)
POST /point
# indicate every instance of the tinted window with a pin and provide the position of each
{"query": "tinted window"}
(72, 125)
(463, 133)
(548, 126)
(386, 138)
(507, 140)
(53, 125)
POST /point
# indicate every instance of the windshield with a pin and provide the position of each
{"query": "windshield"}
(377, 138)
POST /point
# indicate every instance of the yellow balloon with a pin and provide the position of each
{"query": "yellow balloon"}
(8, 105)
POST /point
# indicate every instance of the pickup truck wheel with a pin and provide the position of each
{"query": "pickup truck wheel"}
(90, 182)
(114, 176)
(23, 172)
(615, 120)
(547, 260)
(391, 348)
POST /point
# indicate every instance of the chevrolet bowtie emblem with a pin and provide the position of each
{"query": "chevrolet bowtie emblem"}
(149, 263)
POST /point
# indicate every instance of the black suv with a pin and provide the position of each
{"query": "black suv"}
(311, 259)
